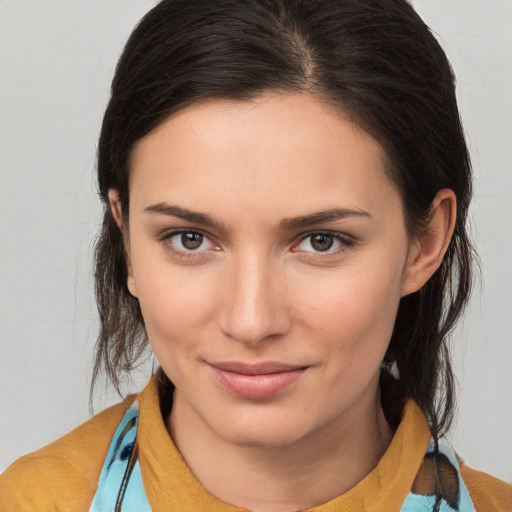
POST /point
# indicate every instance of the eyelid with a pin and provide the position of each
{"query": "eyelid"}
(165, 237)
(346, 241)
(169, 233)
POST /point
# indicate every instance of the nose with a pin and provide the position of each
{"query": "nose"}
(254, 308)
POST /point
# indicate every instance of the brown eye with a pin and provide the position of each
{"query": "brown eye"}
(321, 242)
(191, 241)
(188, 242)
(326, 242)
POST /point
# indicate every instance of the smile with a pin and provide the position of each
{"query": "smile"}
(255, 382)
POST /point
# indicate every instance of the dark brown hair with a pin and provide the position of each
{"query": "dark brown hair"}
(374, 60)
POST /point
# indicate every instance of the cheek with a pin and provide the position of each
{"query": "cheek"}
(354, 310)
(173, 306)
(356, 327)
(176, 315)
(177, 303)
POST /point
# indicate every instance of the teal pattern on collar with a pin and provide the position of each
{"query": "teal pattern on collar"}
(120, 487)
(439, 480)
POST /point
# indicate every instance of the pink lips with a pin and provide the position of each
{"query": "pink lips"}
(256, 381)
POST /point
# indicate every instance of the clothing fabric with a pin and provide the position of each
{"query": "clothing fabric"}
(120, 488)
(64, 475)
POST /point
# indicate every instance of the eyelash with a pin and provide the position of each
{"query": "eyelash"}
(344, 241)
(166, 238)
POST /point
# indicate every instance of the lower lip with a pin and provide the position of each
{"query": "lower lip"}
(256, 387)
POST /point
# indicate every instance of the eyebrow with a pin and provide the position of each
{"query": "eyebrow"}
(185, 214)
(285, 224)
(322, 216)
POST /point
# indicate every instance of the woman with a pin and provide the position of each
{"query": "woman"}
(286, 186)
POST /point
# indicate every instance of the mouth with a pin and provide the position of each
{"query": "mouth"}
(256, 381)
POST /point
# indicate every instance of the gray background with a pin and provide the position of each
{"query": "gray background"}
(56, 62)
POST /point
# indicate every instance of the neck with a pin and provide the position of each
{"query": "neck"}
(271, 479)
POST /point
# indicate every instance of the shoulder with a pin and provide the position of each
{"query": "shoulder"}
(64, 474)
(489, 494)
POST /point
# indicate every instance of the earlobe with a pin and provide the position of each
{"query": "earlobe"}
(131, 283)
(428, 250)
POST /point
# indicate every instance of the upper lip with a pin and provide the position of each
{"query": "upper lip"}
(255, 368)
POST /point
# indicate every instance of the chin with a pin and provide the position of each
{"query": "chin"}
(278, 438)
(262, 430)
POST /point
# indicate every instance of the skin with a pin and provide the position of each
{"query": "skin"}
(258, 290)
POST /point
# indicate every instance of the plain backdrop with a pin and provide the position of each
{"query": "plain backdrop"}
(56, 61)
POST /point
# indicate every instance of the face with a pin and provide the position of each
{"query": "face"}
(268, 250)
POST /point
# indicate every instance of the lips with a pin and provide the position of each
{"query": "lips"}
(256, 381)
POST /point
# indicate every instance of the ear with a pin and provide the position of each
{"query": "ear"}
(115, 207)
(117, 213)
(428, 249)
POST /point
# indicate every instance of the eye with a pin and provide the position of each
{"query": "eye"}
(190, 241)
(324, 243)
(187, 242)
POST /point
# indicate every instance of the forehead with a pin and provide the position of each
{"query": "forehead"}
(269, 152)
